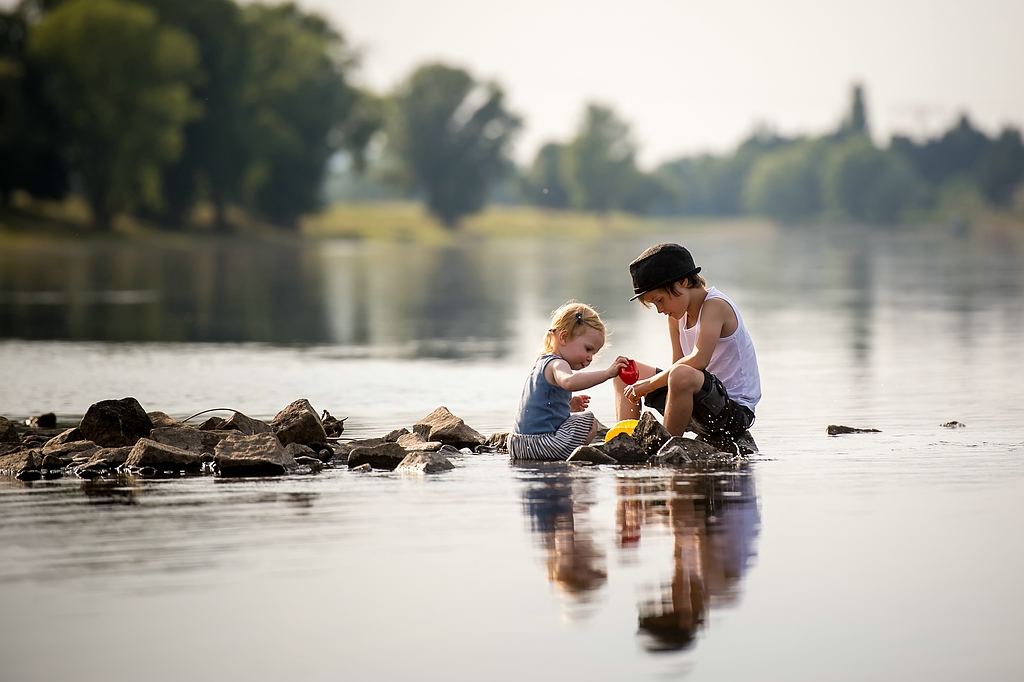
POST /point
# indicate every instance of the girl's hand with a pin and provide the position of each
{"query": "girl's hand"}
(578, 403)
(638, 390)
(613, 369)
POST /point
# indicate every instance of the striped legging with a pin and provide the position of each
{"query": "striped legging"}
(555, 446)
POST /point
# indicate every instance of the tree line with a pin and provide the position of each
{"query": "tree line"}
(152, 107)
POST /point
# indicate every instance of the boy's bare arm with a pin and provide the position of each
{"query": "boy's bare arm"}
(714, 317)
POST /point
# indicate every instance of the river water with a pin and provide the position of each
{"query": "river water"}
(887, 556)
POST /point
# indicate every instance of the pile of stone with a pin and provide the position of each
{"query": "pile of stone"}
(650, 443)
(119, 436)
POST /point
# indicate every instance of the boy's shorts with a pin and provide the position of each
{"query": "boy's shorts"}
(714, 411)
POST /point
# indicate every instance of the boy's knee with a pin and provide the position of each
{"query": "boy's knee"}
(685, 379)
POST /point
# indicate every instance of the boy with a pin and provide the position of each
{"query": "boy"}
(713, 378)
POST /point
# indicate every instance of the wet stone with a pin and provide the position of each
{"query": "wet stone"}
(162, 419)
(413, 442)
(839, 429)
(396, 435)
(424, 462)
(107, 458)
(679, 451)
(148, 453)
(954, 425)
(624, 449)
(8, 434)
(649, 434)
(244, 424)
(442, 425)
(363, 468)
(52, 462)
(299, 423)
(43, 421)
(590, 454)
(116, 423)
(188, 438)
(498, 442)
(213, 424)
(384, 456)
(258, 455)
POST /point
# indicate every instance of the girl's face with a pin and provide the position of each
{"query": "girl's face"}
(579, 352)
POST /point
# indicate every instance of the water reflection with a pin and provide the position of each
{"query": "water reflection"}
(712, 518)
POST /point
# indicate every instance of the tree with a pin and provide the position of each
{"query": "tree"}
(298, 102)
(450, 135)
(599, 163)
(31, 156)
(1001, 167)
(123, 101)
(784, 184)
(866, 183)
(542, 185)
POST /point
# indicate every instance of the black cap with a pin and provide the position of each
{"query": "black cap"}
(660, 265)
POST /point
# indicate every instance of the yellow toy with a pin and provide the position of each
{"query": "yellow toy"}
(624, 426)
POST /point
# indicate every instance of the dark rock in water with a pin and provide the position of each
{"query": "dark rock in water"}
(258, 455)
(116, 423)
(649, 434)
(364, 468)
(394, 436)
(245, 425)
(89, 474)
(162, 420)
(413, 442)
(8, 434)
(679, 451)
(625, 450)
(314, 464)
(384, 456)
(297, 450)
(83, 448)
(149, 453)
(148, 471)
(498, 441)
(837, 429)
(740, 445)
(342, 449)
(424, 463)
(213, 424)
(299, 423)
(188, 438)
(591, 455)
(52, 463)
(107, 458)
(954, 425)
(43, 421)
(29, 475)
(68, 436)
(332, 427)
(326, 455)
(442, 425)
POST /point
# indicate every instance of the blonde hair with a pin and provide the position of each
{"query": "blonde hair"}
(573, 317)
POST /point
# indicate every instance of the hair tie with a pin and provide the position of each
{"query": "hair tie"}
(579, 317)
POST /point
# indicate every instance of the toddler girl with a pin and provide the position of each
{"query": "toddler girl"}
(551, 422)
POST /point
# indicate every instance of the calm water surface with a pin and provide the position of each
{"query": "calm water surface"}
(879, 556)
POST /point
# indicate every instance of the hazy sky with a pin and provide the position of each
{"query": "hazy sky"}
(696, 76)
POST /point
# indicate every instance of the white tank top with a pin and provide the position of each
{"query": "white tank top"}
(733, 360)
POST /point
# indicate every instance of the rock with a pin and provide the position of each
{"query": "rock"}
(29, 475)
(245, 425)
(162, 457)
(107, 458)
(679, 451)
(836, 430)
(258, 455)
(8, 434)
(444, 426)
(625, 450)
(213, 424)
(740, 445)
(363, 468)
(332, 427)
(299, 423)
(314, 464)
(43, 421)
(591, 455)
(498, 441)
(413, 442)
(16, 461)
(188, 438)
(394, 436)
(116, 423)
(326, 455)
(745, 444)
(162, 420)
(52, 463)
(384, 456)
(954, 425)
(84, 448)
(297, 450)
(90, 474)
(68, 436)
(424, 462)
(649, 434)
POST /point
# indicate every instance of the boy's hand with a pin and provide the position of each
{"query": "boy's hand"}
(613, 369)
(578, 403)
(638, 390)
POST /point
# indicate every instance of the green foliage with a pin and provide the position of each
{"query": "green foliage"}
(863, 182)
(123, 105)
(542, 185)
(784, 184)
(450, 136)
(599, 163)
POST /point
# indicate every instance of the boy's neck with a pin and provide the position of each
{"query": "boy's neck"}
(696, 301)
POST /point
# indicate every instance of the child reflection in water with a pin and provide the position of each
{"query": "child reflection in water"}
(712, 542)
(559, 516)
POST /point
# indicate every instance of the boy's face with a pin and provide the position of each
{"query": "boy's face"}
(667, 302)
